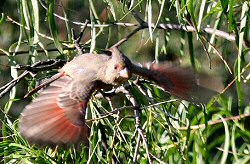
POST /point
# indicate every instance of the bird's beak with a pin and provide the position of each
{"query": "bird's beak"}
(125, 73)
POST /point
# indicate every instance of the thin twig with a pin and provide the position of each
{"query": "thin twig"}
(114, 158)
(139, 19)
(121, 89)
(42, 65)
(105, 143)
(206, 50)
(143, 25)
(195, 127)
(150, 98)
(45, 83)
(38, 51)
(157, 159)
(168, 26)
(133, 101)
(219, 54)
(145, 142)
(127, 37)
(78, 39)
(231, 83)
(232, 153)
(27, 28)
(115, 111)
(138, 143)
(34, 68)
(165, 26)
(7, 87)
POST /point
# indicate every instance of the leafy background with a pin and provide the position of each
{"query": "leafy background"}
(170, 130)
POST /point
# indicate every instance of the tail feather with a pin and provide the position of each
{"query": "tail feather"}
(182, 83)
(177, 81)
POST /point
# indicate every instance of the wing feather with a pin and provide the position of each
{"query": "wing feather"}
(177, 81)
(57, 115)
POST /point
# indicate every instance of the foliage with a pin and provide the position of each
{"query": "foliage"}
(202, 34)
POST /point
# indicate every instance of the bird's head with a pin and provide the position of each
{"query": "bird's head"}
(117, 70)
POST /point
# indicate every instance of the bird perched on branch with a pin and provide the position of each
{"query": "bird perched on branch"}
(57, 115)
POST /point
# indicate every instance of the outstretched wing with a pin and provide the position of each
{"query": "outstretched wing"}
(57, 115)
(177, 81)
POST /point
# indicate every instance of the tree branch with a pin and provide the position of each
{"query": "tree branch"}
(78, 39)
(196, 127)
(165, 26)
(142, 25)
(34, 68)
(141, 135)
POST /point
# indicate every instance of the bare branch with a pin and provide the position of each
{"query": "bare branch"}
(34, 68)
(115, 111)
(218, 33)
(7, 87)
(50, 80)
(195, 127)
(168, 26)
(138, 143)
(78, 39)
(127, 37)
(27, 28)
(142, 25)
(156, 158)
(231, 83)
(38, 51)
(219, 54)
(133, 101)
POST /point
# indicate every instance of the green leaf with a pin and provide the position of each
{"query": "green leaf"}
(224, 5)
(245, 9)
(191, 50)
(53, 26)
(232, 21)
(93, 32)
(150, 15)
(201, 11)
(2, 18)
(226, 143)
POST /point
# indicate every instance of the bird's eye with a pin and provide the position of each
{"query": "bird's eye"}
(115, 67)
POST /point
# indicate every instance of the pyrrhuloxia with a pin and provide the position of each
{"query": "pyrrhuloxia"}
(57, 115)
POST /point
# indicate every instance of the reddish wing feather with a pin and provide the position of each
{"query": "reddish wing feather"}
(48, 120)
(177, 81)
(181, 83)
